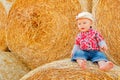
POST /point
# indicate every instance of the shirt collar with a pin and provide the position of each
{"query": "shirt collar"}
(87, 31)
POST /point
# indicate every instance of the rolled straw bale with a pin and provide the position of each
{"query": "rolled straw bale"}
(41, 31)
(86, 5)
(3, 45)
(10, 67)
(107, 13)
(67, 70)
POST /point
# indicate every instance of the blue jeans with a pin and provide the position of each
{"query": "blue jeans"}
(92, 55)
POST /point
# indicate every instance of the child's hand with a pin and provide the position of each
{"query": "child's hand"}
(71, 54)
(103, 48)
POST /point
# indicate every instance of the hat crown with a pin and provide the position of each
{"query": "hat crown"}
(85, 15)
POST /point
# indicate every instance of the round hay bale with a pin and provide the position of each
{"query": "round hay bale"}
(10, 67)
(3, 45)
(67, 70)
(42, 31)
(107, 15)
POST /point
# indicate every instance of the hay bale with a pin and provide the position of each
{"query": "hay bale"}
(3, 45)
(67, 70)
(86, 5)
(10, 67)
(42, 31)
(107, 15)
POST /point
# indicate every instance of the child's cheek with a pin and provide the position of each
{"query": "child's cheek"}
(78, 26)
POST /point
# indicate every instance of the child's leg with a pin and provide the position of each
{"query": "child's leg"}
(105, 66)
(82, 63)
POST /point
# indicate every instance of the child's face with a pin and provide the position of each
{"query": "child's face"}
(84, 24)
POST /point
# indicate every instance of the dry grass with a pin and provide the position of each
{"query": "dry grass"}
(10, 67)
(7, 4)
(42, 31)
(107, 15)
(66, 70)
(86, 5)
(10, 0)
(3, 45)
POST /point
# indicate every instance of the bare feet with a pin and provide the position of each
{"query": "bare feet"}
(105, 66)
(82, 63)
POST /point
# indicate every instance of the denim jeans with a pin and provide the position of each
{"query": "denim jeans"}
(92, 55)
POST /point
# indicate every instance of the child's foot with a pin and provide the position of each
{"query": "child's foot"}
(82, 64)
(107, 66)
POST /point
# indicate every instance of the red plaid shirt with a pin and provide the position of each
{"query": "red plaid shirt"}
(89, 40)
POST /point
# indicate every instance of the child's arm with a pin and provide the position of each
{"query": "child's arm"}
(76, 45)
(101, 42)
(103, 45)
(75, 48)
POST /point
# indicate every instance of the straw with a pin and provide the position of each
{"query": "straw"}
(67, 70)
(10, 67)
(42, 31)
(3, 45)
(107, 15)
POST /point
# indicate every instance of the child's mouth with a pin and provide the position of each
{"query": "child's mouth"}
(82, 28)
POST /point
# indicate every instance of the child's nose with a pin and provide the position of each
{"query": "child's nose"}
(82, 24)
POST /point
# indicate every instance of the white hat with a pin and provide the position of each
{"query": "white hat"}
(85, 15)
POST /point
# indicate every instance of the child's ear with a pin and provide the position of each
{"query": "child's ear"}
(90, 26)
(93, 24)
